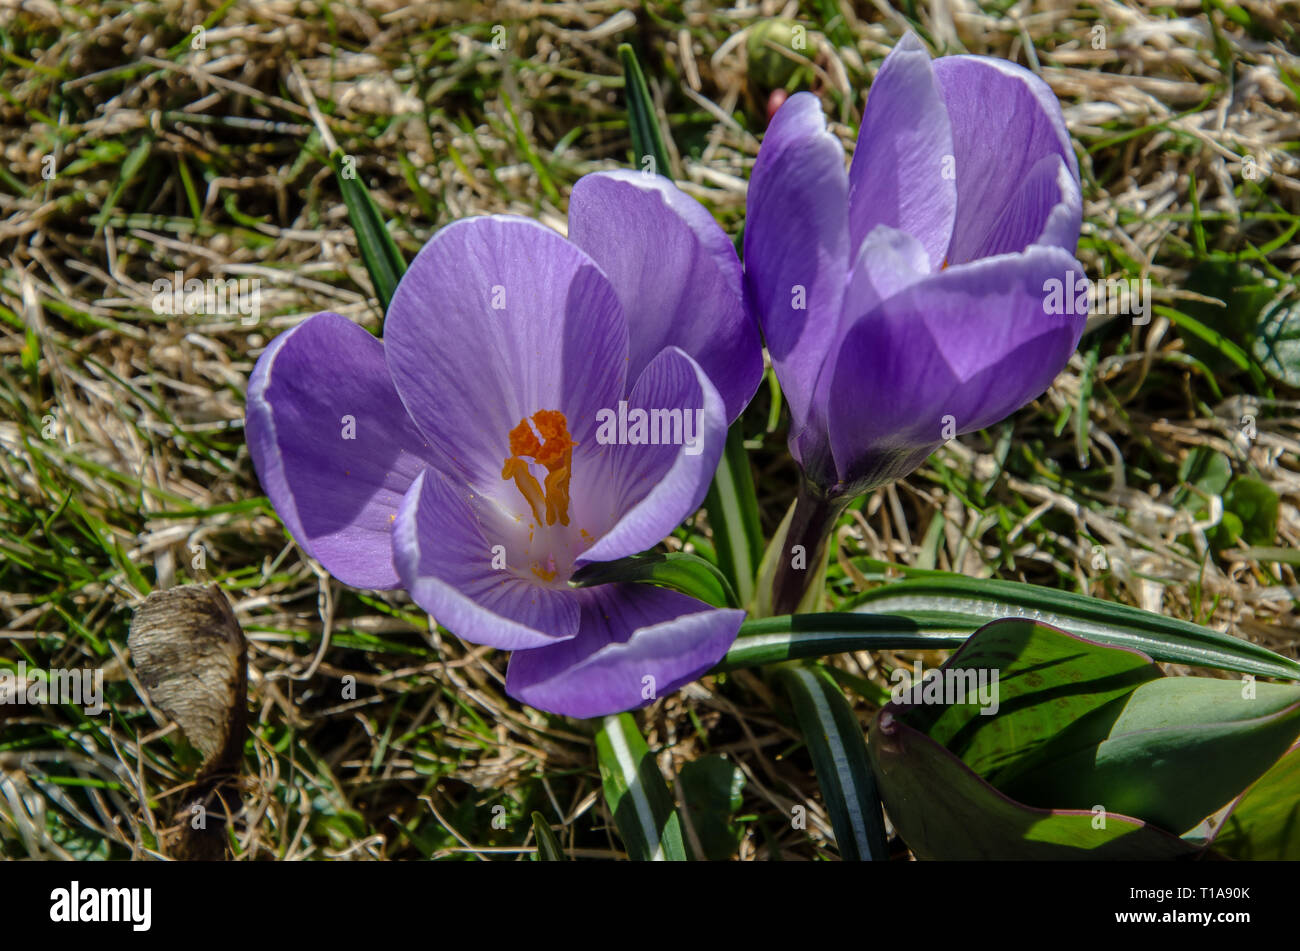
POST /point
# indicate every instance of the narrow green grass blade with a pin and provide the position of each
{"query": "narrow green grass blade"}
(1162, 638)
(636, 793)
(732, 507)
(838, 747)
(131, 166)
(379, 251)
(681, 571)
(548, 849)
(647, 137)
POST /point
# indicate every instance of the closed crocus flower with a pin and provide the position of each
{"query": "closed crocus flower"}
(905, 300)
(536, 404)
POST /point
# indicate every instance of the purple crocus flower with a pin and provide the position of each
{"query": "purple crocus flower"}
(507, 431)
(906, 301)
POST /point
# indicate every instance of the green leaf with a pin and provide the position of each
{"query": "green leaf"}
(1207, 470)
(1277, 342)
(131, 166)
(711, 792)
(1172, 752)
(379, 252)
(643, 123)
(636, 794)
(1256, 505)
(1046, 680)
(681, 571)
(793, 637)
(944, 811)
(836, 743)
(1165, 639)
(548, 849)
(1264, 823)
(732, 508)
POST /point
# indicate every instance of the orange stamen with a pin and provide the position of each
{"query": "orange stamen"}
(554, 452)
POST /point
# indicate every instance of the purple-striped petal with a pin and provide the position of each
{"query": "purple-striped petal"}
(447, 556)
(635, 643)
(333, 446)
(974, 343)
(797, 245)
(997, 149)
(676, 274)
(903, 171)
(643, 492)
(496, 319)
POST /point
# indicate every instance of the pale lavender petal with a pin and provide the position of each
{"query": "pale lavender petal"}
(443, 548)
(1048, 209)
(973, 343)
(797, 245)
(638, 494)
(903, 171)
(496, 319)
(676, 274)
(635, 643)
(1005, 120)
(333, 446)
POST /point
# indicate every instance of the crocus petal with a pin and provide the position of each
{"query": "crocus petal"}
(333, 446)
(497, 318)
(1047, 209)
(903, 171)
(974, 343)
(645, 491)
(797, 245)
(676, 274)
(996, 148)
(445, 560)
(635, 643)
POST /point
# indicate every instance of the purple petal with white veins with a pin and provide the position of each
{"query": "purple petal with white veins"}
(497, 318)
(643, 492)
(333, 446)
(1047, 209)
(635, 643)
(444, 553)
(903, 170)
(974, 343)
(997, 148)
(675, 272)
(797, 245)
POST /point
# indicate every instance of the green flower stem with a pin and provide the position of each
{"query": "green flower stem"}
(815, 515)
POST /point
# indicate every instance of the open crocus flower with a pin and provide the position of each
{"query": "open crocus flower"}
(536, 404)
(905, 301)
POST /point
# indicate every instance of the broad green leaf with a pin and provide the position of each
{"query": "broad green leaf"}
(636, 794)
(548, 849)
(1205, 469)
(1264, 824)
(733, 515)
(711, 788)
(1256, 505)
(799, 636)
(1277, 342)
(643, 123)
(1172, 752)
(944, 811)
(1046, 680)
(836, 743)
(1117, 625)
(379, 252)
(680, 571)
(1243, 294)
